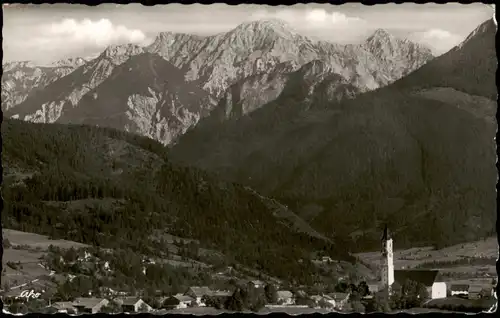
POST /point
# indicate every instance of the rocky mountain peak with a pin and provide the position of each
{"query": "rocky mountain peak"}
(70, 62)
(267, 26)
(380, 38)
(119, 53)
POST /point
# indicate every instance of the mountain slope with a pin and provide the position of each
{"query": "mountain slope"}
(145, 95)
(47, 105)
(385, 156)
(19, 79)
(460, 68)
(113, 189)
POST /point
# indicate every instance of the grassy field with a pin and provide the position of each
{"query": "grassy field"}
(24, 254)
(470, 263)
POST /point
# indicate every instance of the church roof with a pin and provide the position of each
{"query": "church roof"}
(425, 277)
(386, 234)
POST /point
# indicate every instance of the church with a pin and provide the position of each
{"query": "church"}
(429, 278)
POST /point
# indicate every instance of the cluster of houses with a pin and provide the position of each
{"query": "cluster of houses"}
(471, 291)
(193, 297)
(92, 305)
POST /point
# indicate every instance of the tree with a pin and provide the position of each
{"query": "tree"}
(363, 289)
(143, 308)
(381, 302)
(18, 308)
(235, 302)
(170, 303)
(271, 294)
(214, 302)
(410, 295)
(341, 287)
(111, 308)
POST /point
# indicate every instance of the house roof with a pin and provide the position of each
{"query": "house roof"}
(129, 301)
(257, 282)
(222, 293)
(475, 289)
(181, 297)
(459, 287)
(284, 294)
(63, 305)
(339, 296)
(201, 291)
(87, 302)
(425, 277)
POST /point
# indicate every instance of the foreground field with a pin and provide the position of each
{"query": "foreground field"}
(468, 263)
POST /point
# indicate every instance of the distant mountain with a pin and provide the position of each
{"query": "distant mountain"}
(246, 67)
(47, 105)
(417, 154)
(114, 189)
(146, 95)
(19, 79)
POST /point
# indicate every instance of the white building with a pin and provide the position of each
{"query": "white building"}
(429, 278)
(459, 290)
(285, 297)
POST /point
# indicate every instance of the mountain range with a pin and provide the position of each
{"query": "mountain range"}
(418, 152)
(244, 68)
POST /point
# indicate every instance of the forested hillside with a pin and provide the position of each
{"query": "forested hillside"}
(113, 189)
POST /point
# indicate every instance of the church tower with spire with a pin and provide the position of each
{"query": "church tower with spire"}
(387, 268)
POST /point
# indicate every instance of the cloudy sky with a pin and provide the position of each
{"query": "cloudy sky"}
(45, 33)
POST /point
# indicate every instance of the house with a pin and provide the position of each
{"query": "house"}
(177, 301)
(373, 288)
(326, 259)
(475, 291)
(89, 305)
(429, 278)
(340, 299)
(133, 304)
(64, 307)
(285, 297)
(197, 293)
(459, 290)
(256, 283)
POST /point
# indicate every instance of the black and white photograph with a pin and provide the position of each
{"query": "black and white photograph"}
(205, 159)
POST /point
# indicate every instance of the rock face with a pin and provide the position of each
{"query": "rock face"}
(146, 95)
(242, 69)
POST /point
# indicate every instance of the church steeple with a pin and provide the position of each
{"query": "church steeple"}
(386, 235)
(387, 268)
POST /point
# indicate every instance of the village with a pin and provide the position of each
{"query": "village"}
(87, 280)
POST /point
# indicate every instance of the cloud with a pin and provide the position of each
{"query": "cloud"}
(311, 18)
(439, 40)
(99, 33)
(72, 37)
